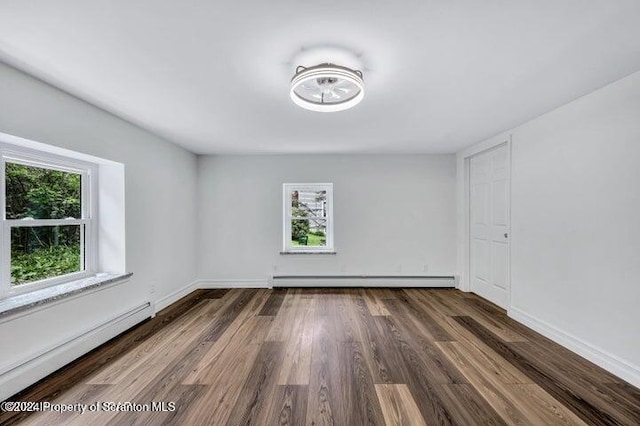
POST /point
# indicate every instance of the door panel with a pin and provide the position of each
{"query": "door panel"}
(481, 213)
(500, 199)
(499, 254)
(489, 225)
(482, 259)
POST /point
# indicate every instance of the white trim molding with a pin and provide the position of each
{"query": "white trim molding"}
(600, 357)
(174, 296)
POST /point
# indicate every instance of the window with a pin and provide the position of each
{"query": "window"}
(308, 217)
(48, 221)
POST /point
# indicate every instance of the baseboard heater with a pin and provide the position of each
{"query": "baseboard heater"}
(18, 376)
(443, 281)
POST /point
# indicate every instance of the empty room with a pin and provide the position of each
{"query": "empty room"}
(335, 213)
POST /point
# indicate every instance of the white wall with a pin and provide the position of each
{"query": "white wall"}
(575, 242)
(393, 215)
(160, 181)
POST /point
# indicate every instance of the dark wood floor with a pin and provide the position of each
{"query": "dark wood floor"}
(336, 356)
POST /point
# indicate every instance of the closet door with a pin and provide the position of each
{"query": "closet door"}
(489, 225)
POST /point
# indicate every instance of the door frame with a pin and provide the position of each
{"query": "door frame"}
(464, 209)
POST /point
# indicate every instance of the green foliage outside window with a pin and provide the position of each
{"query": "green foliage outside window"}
(40, 252)
(299, 228)
(44, 263)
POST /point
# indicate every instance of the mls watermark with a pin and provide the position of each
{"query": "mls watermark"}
(106, 406)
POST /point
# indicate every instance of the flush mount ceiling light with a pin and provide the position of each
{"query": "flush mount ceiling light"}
(327, 88)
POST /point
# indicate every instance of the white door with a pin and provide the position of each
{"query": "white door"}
(489, 225)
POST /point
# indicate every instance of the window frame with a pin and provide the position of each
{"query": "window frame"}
(89, 217)
(287, 189)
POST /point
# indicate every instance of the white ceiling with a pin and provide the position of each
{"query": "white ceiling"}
(213, 75)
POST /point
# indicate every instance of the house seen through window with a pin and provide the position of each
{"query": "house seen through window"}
(308, 217)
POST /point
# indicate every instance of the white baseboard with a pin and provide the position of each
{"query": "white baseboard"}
(174, 296)
(364, 281)
(51, 359)
(602, 358)
(224, 283)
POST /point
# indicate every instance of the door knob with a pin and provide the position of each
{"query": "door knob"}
(506, 235)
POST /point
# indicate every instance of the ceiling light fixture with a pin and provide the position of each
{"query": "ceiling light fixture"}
(327, 88)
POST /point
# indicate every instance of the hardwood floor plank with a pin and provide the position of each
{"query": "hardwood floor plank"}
(225, 371)
(229, 312)
(385, 361)
(259, 386)
(273, 304)
(501, 392)
(433, 366)
(582, 382)
(287, 322)
(183, 305)
(540, 407)
(466, 405)
(296, 365)
(80, 394)
(324, 298)
(414, 311)
(245, 329)
(289, 406)
(385, 365)
(568, 361)
(215, 404)
(421, 380)
(357, 389)
(468, 358)
(494, 323)
(400, 312)
(163, 341)
(161, 384)
(141, 371)
(490, 388)
(441, 313)
(236, 353)
(387, 292)
(180, 395)
(167, 387)
(325, 404)
(398, 406)
(374, 302)
(434, 362)
(347, 329)
(570, 397)
(627, 393)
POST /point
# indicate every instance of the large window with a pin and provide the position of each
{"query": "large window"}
(47, 222)
(308, 217)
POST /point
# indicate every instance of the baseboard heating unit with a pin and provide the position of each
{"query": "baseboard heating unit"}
(363, 281)
(36, 366)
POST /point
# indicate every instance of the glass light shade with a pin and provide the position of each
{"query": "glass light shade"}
(327, 88)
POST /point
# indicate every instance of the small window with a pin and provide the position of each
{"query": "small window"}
(308, 217)
(48, 220)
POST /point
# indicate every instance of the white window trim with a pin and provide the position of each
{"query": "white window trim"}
(287, 188)
(89, 216)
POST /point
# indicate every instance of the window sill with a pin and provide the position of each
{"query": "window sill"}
(308, 252)
(26, 301)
